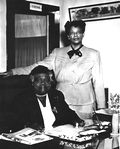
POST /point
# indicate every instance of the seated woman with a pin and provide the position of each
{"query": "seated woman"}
(41, 105)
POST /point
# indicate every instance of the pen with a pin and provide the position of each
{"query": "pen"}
(99, 122)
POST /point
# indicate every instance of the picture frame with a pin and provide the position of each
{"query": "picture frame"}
(95, 12)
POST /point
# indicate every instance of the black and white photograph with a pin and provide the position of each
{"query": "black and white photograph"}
(95, 12)
(59, 74)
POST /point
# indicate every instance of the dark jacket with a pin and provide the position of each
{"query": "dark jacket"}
(25, 111)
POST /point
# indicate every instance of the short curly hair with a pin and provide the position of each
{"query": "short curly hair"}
(42, 69)
(39, 69)
(77, 23)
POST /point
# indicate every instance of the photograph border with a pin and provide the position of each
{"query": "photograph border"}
(95, 12)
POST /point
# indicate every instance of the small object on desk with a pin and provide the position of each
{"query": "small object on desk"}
(95, 127)
(101, 127)
(76, 125)
(91, 132)
(104, 111)
(106, 127)
(98, 121)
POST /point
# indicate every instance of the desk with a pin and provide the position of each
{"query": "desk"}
(101, 142)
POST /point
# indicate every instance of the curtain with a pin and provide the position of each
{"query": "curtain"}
(29, 50)
(30, 39)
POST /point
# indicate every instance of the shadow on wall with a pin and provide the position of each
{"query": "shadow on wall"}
(64, 39)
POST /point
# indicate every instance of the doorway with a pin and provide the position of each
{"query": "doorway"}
(31, 35)
(30, 39)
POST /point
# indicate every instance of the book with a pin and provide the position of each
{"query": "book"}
(26, 136)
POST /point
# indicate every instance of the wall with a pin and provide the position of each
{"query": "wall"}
(65, 4)
(2, 35)
(3, 54)
(103, 36)
(110, 62)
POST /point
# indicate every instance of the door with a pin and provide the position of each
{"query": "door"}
(31, 34)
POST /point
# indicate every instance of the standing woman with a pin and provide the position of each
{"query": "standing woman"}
(78, 72)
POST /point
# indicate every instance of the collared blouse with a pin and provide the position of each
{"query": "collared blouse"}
(79, 78)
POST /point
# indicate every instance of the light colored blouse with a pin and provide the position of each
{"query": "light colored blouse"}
(79, 78)
(47, 114)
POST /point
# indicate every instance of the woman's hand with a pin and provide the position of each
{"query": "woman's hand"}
(7, 74)
(79, 123)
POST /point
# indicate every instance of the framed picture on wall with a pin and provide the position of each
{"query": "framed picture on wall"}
(95, 12)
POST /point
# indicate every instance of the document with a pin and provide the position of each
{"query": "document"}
(70, 133)
(77, 134)
(26, 136)
(105, 111)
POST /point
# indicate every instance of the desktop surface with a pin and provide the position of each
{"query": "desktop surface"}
(104, 141)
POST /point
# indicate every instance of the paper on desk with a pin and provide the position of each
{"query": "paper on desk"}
(92, 131)
(104, 111)
(27, 136)
(67, 130)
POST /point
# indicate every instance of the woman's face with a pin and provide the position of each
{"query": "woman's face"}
(41, 83)
(75, 35)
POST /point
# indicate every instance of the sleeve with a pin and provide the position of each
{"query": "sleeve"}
(98, 82)
(67, 115)
(48, 62)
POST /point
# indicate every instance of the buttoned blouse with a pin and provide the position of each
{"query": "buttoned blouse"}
(79, 78)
